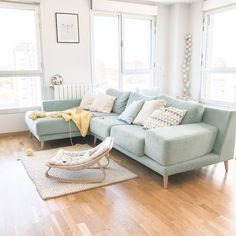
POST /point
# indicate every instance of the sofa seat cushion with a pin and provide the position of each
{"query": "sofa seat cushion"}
(49, 125)
(172, 145)
(130, 138)
(60, 105)
(101, 126)
(101, 114)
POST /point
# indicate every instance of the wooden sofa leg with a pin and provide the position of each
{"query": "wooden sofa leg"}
(94, 140)
(41, 145)
(165, 181)
(226, 166)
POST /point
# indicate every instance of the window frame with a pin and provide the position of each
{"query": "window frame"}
(26, 73)
(212, 70)
(121, 70)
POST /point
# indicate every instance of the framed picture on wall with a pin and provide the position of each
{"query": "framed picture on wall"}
(67, 26)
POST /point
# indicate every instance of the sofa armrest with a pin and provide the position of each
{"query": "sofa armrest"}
(225, 121)
(175, 144)
(60, 105)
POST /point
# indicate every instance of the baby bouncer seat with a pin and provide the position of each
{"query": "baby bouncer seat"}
(78, 160)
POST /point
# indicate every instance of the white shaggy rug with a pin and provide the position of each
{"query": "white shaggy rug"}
(47, 188)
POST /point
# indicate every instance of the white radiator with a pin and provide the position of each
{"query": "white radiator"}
(71, 91)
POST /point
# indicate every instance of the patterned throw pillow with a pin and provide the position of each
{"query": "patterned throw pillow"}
(165, 117)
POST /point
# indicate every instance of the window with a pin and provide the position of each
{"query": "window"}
(123, 51)
(106, 52)
(20, 65)
(219, 57)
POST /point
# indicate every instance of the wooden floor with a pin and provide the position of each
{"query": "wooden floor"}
(199, 202)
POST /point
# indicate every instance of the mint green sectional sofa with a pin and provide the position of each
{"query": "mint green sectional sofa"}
(206, 135)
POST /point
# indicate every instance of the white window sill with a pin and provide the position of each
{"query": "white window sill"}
(18, 110)
(218, 104)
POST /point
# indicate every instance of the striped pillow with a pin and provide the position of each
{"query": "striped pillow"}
(165, 117)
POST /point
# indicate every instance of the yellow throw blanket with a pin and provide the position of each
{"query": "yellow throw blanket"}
(80, 117)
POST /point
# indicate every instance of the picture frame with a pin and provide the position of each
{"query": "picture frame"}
(67, 27)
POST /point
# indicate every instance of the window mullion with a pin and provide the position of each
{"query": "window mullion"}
(121, 46)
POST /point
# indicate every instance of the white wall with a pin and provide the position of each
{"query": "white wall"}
(195, 28)
(162, 48)
(72, 61)
(178, 28)
(181, 19)
(12, 122)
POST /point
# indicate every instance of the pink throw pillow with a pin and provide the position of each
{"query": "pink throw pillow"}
(103, 103)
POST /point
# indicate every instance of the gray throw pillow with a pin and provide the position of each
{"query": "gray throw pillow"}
(130, 113)
(136, 96)
(121, 99)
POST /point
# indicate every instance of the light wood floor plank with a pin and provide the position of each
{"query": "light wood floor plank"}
(199, 202)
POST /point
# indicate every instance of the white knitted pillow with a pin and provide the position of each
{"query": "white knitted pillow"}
(165, 117)
(148, 108)
(87, 101)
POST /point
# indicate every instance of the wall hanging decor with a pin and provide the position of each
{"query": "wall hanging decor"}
(67, 25)
(186, 67)
(56, 80)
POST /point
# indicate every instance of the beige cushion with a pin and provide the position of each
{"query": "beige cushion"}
(148, 108)
(87, 101)
(103, 103)
(165, 117)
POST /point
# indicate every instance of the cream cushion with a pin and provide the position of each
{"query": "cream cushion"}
(148, 108)
(103, 103)
(87, 101)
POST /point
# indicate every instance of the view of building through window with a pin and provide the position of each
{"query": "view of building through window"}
(123, 52)
(19, 58)
(219, 68)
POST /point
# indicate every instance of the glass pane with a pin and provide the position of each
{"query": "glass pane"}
(220, 87)
(106, 52)
(137, 44)
(18, 41)
(221, 46)
(133, 82)
(19, 92)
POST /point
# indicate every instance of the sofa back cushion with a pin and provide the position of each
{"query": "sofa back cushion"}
(225, 121)
(103, 103)
(136, 96)
(121, 99)
(60, 105)
(194, 110)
